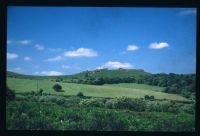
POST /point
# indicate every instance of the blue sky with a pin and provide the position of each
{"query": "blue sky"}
(67, 40)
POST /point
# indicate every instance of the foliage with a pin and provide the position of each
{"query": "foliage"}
(44, 116)
(129, 103)
(92, 102)
(80, 94)
(147, 97)
(10, 94)
(57, 87)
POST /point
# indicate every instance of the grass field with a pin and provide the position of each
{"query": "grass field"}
(138, 86)
(112, 91)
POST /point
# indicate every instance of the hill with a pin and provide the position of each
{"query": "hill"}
(101, 73)
(115, 73)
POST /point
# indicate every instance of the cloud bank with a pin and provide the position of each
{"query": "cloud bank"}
(39, 47)
(12, 56)
(49, 73)
(188, 12)
(65, 66)
(132, 48)
(22, 42)
(160, 45)
(116, 65)
(57, 58)
(27, 58)
(81, 52)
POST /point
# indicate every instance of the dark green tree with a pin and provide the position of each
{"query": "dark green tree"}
(57, 87)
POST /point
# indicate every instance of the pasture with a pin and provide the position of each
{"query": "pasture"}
(131, 90)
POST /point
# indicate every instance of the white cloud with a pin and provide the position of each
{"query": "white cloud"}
(57, 58)
(39, 47)
(116, 65)
(48, 73)
(132, 48)
(160, 45)
(18, 69)
(27, 58)
(100, 67)
(55, 49)
(24, 42)
(65, 66)
(37, 73)
(81, 52)
(51, 73)
(188, 12)
(11, 56)
(9, 41)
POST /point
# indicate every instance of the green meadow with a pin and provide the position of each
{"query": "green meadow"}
(132, 90)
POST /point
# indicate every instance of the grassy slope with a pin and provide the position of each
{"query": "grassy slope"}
(112, 73)
(27, 85)
(137, 86)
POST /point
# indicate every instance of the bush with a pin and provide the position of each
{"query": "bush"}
(189, 108)
(80, 94)
(151, 97)
(42, 116)
(164, 106)
(32, 93)
(40, 92)
(57, 87)
(57, 80)
(146, 97)
(109, 104)
(60, 101)
(93, 102)
(131, 104)
(10, 94)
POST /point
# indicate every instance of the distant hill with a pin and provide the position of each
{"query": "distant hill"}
(99, 73)
(17, 75)
(117, 73)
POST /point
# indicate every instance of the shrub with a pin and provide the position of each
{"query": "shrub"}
(40, 92)
(42, 116)
(164, 106)
(21, 97)
(109, 104)
(151, 97)
(10, 94)
(80, 94)
(57, 80)
(146, 97)
(189, 108)
(32, 93)
(57, 87)
(93, 102)
(60, 101)
(131, 104)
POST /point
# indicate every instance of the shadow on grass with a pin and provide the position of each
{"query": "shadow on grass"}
(59, 90)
